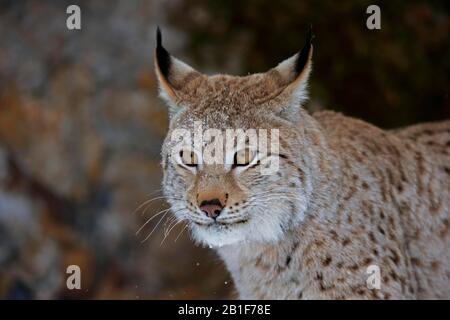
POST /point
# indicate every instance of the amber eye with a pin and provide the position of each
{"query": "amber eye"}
(243, 157)
(189, 158)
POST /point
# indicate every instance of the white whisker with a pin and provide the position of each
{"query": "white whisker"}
(154, 199)
(150, 219)
(182, 230)
(168, 232)
(153, 230)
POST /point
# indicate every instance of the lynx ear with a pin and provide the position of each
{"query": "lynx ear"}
(294, 73)
(173, 75)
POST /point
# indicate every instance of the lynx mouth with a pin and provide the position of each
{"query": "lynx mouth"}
(236, 222)
(221, 223)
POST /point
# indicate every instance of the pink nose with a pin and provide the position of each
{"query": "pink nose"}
(211, 208)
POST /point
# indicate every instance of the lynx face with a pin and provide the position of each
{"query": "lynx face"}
(232, 198)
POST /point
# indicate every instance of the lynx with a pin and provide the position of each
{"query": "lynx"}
(347, 195)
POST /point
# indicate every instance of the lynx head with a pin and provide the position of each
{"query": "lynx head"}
(217, 183)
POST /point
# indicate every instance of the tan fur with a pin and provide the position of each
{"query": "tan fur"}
(348, 195)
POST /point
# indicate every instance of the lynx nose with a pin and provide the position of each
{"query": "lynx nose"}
(212, 208)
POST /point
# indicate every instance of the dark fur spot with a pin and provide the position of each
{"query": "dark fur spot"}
(367, 261)
(392, 235)
(360, 291)
(346, 241)
(318, 243)
(395, 257)
(350, 193)
(374, 294)
(393, 275)
(415, 261)
(435, 265)
(354, 267)
(349, 219)
(334, 235)
(443, 233)
(326, 262)
(288, 260)
(301, 174)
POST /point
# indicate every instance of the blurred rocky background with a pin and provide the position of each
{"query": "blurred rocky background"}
(81, 125)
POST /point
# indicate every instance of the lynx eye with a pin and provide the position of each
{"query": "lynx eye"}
(243, 157)
(189, 158)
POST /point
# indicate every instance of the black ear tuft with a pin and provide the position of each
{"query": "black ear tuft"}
(303, 56)
(158, 37)
(162, 56)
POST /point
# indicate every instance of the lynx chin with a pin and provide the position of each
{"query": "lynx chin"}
(347, 195)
